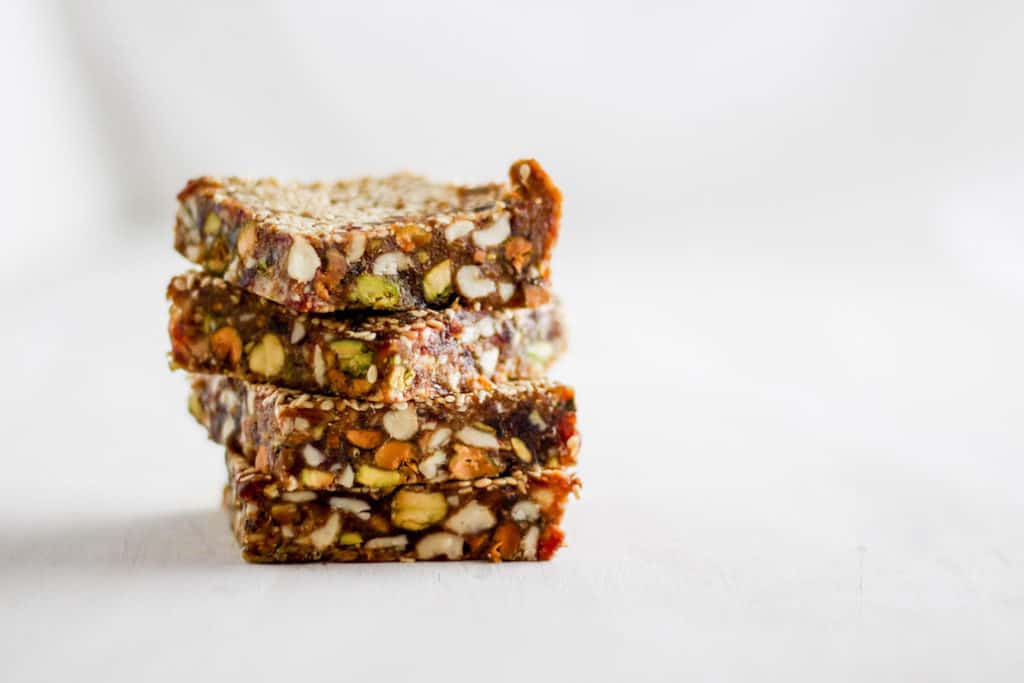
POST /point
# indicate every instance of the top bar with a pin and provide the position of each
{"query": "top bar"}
(396, 243)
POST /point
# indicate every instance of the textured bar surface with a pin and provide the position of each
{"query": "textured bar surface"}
(400, 242)
(218, 328)
(322, 443)
(515, 518)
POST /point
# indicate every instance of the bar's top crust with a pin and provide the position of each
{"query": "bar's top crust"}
(325, 208)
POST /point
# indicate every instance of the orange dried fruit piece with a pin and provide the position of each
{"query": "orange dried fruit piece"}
(394, 453)
(227, 344)
(365, 438)
(470, 463)
(505, 542)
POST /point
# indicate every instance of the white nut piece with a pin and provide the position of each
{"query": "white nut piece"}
(298, 332)
(359, 508)
(537, 421)
(525, 511)
(319, 366)
(325, 535)
(298, 496)
(485, 328)
(488, 361)
(347, 477)
(472, 283)
(433, 462)
(390, 263)
(355, 247)
(439, 544)
(401, 424)
(494, 235)
(303, 261)
(312, 456)
(387, 542)
(226, 428)
(438, 438)
(458, 230)
(472, 436)
(506, 290)
(471, 519)
(528, 546)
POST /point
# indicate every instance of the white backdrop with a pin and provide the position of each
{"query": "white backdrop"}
(792, 255)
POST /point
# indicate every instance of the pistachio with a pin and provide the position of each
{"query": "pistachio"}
(374, 291)
(437, 283)
(521, 451)
(284, 513)
(354, 356)
(350, 538)
(376, 478)
(195, 408)
(211, 226)
(316, 479)
(417, 510)
(267, 357)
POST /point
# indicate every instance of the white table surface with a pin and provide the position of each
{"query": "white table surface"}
(802, 461)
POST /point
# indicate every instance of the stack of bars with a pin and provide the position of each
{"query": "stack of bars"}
(371, 354)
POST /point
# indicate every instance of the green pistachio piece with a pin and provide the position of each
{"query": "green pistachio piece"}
(437, 283)
(354, 356)
(374, 291)
(376, 478)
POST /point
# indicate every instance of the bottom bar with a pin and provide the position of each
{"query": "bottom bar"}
(514, 518)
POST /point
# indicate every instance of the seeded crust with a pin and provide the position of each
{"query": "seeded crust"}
(400, 242)
(318, 442)
(218, 328)
(516, 518)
